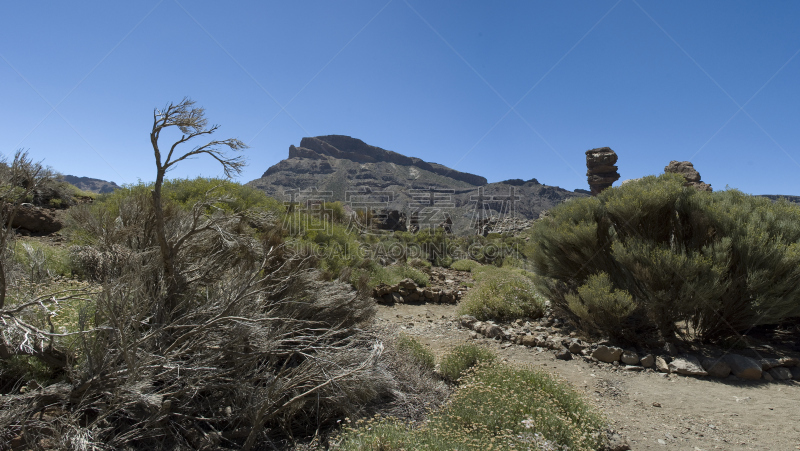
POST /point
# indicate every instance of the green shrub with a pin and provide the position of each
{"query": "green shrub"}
(462, 358)
(419, 263)
(41, 261)
(637, 260)
(464, 265)
(502, 294)
(598, 304)
(497, 407)
(418, 352)
(238, 197)
(391, 275)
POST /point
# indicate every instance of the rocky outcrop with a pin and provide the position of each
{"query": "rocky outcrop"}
(347, 148)
(92, 185)
(494, 224)
(35, 220)
(367, 178)
(406, 291)
(687, 170)
(602, 171)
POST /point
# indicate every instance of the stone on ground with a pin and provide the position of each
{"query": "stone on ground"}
(716, 367)
(661, 365)
(648, 361)
(630, 358)
(743, 367)
(688, 365)
(607, 354)
(780, 373)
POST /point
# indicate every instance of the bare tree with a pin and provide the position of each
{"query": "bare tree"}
(191, 121)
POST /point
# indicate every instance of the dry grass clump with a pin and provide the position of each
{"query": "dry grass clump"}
(496, 407)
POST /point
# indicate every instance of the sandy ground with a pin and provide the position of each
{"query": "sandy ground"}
(651, 410)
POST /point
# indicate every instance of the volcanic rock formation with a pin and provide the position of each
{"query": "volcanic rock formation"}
(403, 193)
(602, 171)
(687, 170)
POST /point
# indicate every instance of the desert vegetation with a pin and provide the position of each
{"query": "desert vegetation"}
(653, 259)
(204, 314)
(494, 407)
(200, 331)
(502, 294)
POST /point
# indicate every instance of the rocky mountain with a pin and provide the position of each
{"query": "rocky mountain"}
(366, 177)
(93, 185)
(793, 199)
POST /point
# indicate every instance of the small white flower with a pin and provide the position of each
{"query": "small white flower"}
(527, 423)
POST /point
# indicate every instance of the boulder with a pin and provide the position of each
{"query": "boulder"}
(493, 331)
(563, 354)
(607, 354)
(661, 365)
(576, 347)
(407, 284)
(648, 361)
(529, 341)
(768, 364)
(602, 171)
(687, 170)
(743, 367)
(790, 361)
(780, 373)
(36, 220)
(616, 442)
(381, 290)
(629, 358)
(467, 321)
(716, 367)
(396, 298)
(688, 365)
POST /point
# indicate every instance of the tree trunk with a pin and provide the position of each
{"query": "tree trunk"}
(2, 281)
(172, 283)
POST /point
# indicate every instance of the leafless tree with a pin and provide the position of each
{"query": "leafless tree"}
(191, 121)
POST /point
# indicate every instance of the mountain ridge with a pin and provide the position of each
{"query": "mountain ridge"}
(346, 168)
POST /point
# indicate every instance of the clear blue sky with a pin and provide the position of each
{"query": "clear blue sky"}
(500, 89)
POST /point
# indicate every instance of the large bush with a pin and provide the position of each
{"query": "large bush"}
(653, 257)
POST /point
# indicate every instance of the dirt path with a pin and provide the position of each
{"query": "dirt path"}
(652, 410)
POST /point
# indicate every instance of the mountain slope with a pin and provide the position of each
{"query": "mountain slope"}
(347, 169)
(93, 185)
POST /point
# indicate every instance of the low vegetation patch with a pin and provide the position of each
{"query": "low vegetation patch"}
(502, 294)
(391, 275)
(462, 358)
(464, 265)
(418, 352)
(496, 407)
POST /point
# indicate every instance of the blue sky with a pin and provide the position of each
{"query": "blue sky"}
(500, 89)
